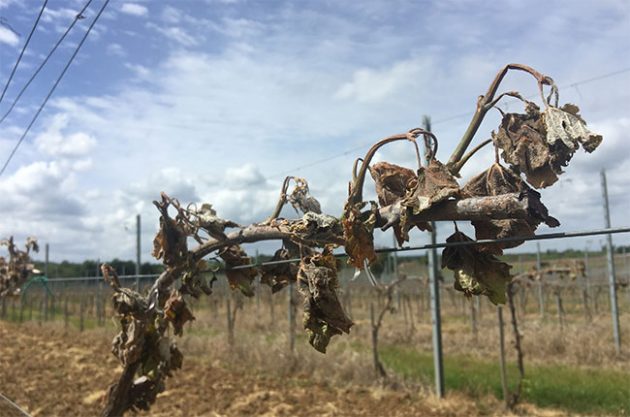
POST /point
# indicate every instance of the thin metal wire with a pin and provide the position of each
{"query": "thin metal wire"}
(545, 236)
(439, 121)
(45, 61)
(28, 40)
(52, 90)
(14, 405)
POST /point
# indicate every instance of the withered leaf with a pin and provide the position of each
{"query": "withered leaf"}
(324, 316)
(206, 218)
(433, 185)
(278, 276)
(301, 198)
(177, 312)
(358, 229)
(240, 279)
(476, 272)
(541, 144)
(170, 242)
(128, 345)
(498, 180)
(392, 183)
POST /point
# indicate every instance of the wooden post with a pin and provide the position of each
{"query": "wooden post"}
(81, 314)
(504, 385)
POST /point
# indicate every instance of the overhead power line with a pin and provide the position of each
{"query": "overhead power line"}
(544, 236)
(440, 121)
(17, 63)
(52, 90)
(43, 63)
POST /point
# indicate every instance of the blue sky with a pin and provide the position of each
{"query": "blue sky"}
(216, 101)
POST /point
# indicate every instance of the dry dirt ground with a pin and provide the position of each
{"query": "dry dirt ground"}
(51, 372)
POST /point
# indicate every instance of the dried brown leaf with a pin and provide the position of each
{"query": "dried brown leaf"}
(240, 279)
(392, 184)
(358, 231)
(498, 180)
(476, 272)
(177, 312)
(278, 276)
(541, 144)
(324, 316)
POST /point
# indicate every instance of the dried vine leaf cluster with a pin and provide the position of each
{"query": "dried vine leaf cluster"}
(499, 202)
(17, 268)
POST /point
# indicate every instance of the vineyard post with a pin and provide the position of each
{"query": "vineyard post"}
(291, 316)
(502, 356)
(257, 261)
(611, 268)
(138, 252)
(395, 272)
(541, 296)
(436, 320)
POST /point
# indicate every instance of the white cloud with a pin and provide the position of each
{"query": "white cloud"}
(54, 143)
(8, 36)
(370, 86)
(176, 34)
(140, 70)
(134, 9)
(116, 49)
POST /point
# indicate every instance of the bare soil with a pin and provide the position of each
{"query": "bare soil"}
(52, 372)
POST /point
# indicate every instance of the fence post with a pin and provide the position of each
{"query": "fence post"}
(502, 356)
(611, 268)
(541, 296)
(291, 318)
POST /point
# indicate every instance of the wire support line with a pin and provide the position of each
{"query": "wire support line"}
(52, 90)
(448, 119)
(78, 17)
(28, 40)
(14, 405)
(545, 236)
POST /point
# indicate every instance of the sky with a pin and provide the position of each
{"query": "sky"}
(217, 100)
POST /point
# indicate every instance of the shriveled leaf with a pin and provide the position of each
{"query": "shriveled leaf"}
(170, 242)
(324, 316)
(206, 218)
(177, 312)
(316, 227)
(434, 184)
(498, 180)
(476, 272)
(358, 229)
(128, 345)
(392, 184)
(301, 198)
(278, 276)
(16, 270)
(541, 144)
(195, 281)
(240, 279)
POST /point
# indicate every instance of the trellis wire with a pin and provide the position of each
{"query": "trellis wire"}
(545, 236)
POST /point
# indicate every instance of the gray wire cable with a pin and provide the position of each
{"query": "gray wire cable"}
(52, 51)
(14, 405)
(52, 90)
(28, 40)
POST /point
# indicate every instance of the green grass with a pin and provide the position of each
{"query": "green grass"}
(557, 386)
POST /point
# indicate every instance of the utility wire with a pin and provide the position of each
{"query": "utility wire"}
(52, 51)
(443, 120)
(50, 93)
(17, 63)
(544, 236)
(14, 405)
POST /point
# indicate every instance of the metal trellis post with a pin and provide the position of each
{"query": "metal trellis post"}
(611, 268)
